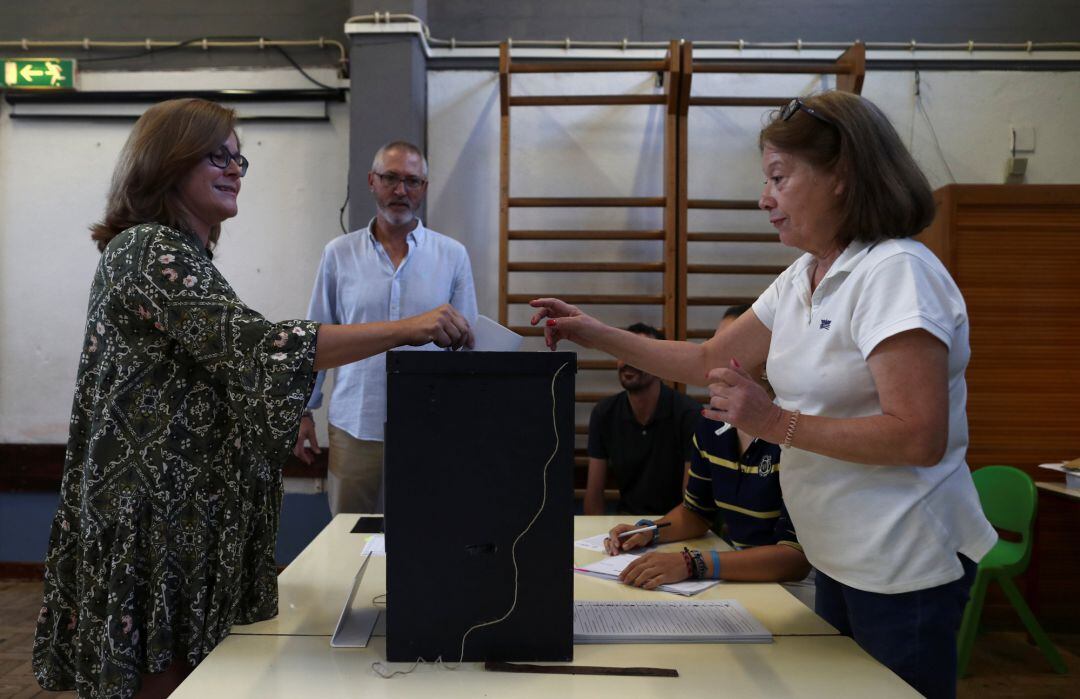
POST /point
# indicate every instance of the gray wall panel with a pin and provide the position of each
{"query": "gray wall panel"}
(176, 20)
(780, 20)
(388, 98)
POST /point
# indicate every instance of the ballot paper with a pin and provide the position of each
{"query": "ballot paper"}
(670, 621)
(375, 545)
(489, 336)
(610, 567)
(596, 543)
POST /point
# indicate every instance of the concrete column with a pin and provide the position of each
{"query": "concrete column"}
(388, 101)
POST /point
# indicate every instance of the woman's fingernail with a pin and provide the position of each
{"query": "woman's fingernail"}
(735, 363)
(551, 322)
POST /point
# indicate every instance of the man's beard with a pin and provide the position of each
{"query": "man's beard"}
(637, 381)
(397, 218)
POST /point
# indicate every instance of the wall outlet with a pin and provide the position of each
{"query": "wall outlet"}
(1023, 139)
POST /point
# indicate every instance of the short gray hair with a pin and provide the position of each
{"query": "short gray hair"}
(377, 161)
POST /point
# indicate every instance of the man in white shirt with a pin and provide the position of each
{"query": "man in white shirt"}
(393, 268)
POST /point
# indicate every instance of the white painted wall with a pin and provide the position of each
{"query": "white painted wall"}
(53, 177)
(616, 151)
(53, 180)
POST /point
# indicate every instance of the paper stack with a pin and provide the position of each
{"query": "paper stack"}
(610, 567)
(674, 621)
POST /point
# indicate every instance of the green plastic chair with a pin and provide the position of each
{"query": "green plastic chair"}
(1009, 499)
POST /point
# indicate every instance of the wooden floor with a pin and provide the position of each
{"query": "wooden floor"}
(1003, 663)
(20, 602)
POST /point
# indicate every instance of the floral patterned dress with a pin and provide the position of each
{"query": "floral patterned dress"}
(186, 406)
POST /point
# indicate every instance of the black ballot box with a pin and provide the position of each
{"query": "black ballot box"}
(479, 448)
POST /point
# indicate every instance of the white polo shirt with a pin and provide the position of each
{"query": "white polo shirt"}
(887, 529)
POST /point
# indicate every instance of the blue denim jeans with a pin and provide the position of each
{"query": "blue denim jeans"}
(911, 633)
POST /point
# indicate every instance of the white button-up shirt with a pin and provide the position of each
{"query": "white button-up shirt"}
(357, 283)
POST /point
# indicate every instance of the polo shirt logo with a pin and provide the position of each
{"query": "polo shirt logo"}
(765, 468)
(825, 325)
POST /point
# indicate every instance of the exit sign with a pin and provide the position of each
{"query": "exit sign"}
(40, 73)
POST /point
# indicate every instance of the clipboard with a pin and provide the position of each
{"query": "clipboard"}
(354, 627)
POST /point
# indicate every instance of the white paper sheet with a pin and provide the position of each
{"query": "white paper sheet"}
(489, 336)
(596, 543)
(593, 543)
(375, 545)
(610, 567)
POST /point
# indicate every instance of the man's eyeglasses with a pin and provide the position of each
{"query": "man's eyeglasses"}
(222, 157)
(797, 104)
(392, 180)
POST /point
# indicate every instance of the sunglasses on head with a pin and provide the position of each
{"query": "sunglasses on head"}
(796, 105)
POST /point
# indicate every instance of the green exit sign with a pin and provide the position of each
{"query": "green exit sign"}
(40, 73)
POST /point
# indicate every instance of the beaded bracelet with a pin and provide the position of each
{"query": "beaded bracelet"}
(699, 564)
(791, 429)
(688, 562)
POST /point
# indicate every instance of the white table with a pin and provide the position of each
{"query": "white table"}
(830, 667)
(290, 656)
(314, 587)
(1058, 488)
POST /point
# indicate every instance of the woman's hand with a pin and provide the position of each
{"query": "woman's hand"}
(565, 322)
(655, 569)
(736, 398)
(614, 545)
(443, 325)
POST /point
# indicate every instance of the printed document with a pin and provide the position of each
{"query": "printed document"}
(675, 621)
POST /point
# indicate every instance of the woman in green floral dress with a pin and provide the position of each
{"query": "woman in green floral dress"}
(187, 404)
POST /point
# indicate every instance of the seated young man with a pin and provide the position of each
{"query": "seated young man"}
(643, 434)
(735, 475)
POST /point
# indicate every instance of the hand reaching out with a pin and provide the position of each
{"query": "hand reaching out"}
(564, 322)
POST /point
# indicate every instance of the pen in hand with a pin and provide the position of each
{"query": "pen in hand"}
(614, 545)
(649, 528)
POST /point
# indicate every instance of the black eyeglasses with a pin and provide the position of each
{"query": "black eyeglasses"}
(797, 104)
(392, 180)
(222, 157)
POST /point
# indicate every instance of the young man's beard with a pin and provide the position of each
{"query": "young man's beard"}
(636, 381)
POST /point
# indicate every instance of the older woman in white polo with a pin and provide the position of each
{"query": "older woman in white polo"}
(866, 339)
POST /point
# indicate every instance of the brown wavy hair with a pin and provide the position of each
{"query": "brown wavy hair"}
(168, 141)
(885, 194)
